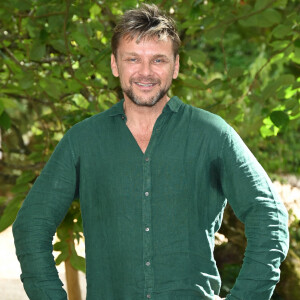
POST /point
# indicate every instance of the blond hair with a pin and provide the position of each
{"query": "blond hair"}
(146, 21)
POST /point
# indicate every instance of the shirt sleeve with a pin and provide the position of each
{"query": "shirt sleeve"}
(251, 194)
(42, 211)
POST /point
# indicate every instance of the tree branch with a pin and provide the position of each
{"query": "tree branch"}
(231, 21)
(50, 14)
(11, 55)
(31, 167)
(261, 69)
(86, 90)
(20, 140)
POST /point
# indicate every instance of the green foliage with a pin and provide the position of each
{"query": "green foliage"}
(239, 59)
(229, 274)
(70, 230)
(294, 230)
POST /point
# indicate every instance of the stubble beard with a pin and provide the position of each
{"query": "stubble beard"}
(144, 101)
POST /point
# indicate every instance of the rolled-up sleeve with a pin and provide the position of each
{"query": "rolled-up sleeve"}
(251, 194)
(42, 211)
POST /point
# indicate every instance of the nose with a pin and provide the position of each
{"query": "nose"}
(145, 68)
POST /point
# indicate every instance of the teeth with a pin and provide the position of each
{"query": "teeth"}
(142, 84)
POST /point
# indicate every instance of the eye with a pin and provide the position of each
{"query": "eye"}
(132, 60)
(158, 60)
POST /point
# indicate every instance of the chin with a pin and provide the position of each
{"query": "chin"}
(146, 102)
(149, 101)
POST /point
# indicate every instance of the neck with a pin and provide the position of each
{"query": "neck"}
(143, 117)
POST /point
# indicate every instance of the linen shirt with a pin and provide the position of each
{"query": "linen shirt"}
(150, 218)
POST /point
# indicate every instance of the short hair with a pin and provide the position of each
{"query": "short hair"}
(147, 21)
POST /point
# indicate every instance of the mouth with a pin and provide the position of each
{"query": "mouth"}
(145, 84)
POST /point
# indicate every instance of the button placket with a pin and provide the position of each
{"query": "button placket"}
(147, 236)
(146, 209)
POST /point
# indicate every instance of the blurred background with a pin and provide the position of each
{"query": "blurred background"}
(239, 59)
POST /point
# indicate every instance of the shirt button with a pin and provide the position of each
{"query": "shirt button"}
(148, 263)
(123, 117)
(148, 296)
(147, 159)
(147, 229)
(147, 194)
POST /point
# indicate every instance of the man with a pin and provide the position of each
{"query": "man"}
(153, 175)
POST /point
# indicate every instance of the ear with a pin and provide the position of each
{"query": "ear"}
(176, 68)
(114, 67)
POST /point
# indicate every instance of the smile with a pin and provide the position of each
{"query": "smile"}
(145, 84)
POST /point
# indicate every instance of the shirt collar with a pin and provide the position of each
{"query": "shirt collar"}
(173, 105)
(117, 109)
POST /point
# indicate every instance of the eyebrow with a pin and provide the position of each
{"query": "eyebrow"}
(154, 56)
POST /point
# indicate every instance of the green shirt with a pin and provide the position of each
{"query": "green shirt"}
(150, 218)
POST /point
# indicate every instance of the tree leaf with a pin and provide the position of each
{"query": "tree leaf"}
(291, 103)
(9, 102)
(270, 17)
(270, 90)
(20, 188)
(297, 43)
(80, 39)
(261, 4)
(26, 81)
(10, 213)
(280, 3)
(5, 121)
(55, 22)
(52, 86)
(61, 257)
(78, 262)
(61, 246)
(215, 82)
(195, 83)
(286, 79)
(26, 177)
(283, 80)
(1, 107)
(197, 55)
(59, 45)
(296, 85)
(265, 19)
(281, 31)
(63, 231)
(296, 57)
(213, 33)
(235, 72)
(279, 118)
(23, 4)
(279, 45)
(94, 11)
(38, 51)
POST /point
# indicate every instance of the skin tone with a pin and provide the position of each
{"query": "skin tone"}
(146, 70)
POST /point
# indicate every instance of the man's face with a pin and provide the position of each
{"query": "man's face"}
(146, 69)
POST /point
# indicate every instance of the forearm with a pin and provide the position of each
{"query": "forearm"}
(267, 245)
(33, 236)
(256, 203)
(42, 211)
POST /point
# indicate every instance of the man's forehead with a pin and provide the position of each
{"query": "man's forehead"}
(149, 44)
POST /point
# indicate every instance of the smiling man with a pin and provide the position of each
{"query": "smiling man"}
(147, 71)
(153, 176)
